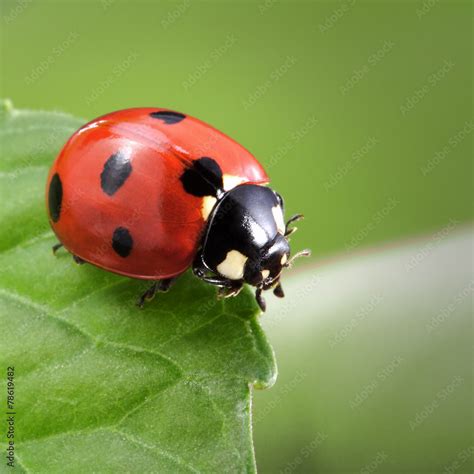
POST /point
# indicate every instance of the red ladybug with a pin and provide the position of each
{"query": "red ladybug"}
(148, 192)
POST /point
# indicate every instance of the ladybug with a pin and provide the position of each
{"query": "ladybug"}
(148, 192)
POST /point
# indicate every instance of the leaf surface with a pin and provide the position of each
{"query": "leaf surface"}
(99, 384)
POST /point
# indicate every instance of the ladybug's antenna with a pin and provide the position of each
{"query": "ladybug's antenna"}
(301, 253)
(295, 218)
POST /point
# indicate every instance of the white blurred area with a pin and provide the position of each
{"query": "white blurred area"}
(393, 272)
(374, 351)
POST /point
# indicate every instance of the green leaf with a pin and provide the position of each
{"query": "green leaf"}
(99, 384)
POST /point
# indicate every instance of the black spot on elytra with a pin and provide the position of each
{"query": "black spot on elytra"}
(168, 116)
(122, 241)
(203, 177)
(116, 171)
(55, 197)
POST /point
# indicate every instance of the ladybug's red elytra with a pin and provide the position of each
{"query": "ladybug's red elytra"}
(149, 192)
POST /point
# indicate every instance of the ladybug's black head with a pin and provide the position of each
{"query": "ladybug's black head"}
(246, 241)
(265, 268)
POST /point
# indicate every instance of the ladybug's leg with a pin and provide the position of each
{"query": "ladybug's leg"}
(226, 292)
(260, 299)
(218, 281)
(278, 291)
(165, 285)
(161, 286)
(78, 260)
(56, 247)
(148, 294)
(202, 272)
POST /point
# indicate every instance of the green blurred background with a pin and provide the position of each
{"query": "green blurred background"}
(361, 113)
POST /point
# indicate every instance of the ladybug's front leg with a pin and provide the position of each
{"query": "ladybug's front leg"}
(203, 273)
(161, 286)
(260, 299)
(234, 290)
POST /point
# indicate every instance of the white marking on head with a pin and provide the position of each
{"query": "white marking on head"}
(230, 181)
(279, 219)
(265, 274)
(208, 203)
(233, 265)
(284, 259)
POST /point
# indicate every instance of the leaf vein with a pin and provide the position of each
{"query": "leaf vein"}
(97, 342)
(155, 447)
